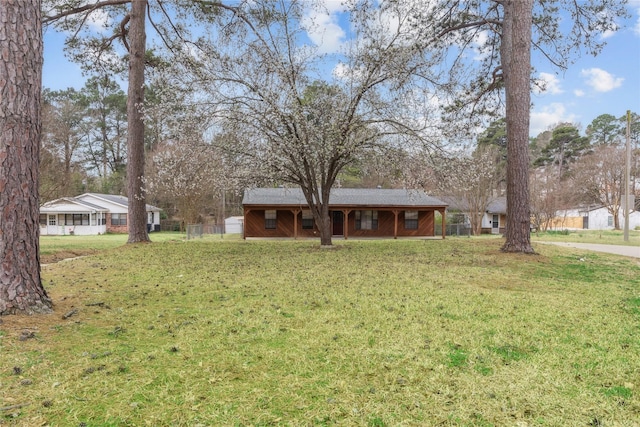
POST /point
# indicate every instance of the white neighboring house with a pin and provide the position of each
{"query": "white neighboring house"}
(593, 218)
(494, 218)
(91, 214)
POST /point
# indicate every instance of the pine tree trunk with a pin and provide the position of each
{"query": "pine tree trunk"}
(135, 136)
(516, 67)
(21, 288)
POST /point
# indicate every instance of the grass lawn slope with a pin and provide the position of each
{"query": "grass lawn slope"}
(373, 333)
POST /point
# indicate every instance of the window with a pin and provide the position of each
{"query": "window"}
(43, 219)
(366, 220)
(76, 219)
(53, 220)
(411, 220)
(307, 220)
(270, 219)
(610, 221)
(118, 219)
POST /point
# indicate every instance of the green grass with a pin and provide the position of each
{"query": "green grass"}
(605, 237)
(282, 333)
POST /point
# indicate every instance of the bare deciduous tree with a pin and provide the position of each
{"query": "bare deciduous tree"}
(188, 174)
(472, 180)
(600, 179)
(303, 122)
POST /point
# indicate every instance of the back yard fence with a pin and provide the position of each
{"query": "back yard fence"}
(198, 231)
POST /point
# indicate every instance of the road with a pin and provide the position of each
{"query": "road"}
(630, 251)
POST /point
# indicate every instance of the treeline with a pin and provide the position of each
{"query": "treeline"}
(198, 179)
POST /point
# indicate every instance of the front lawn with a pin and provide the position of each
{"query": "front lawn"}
(372, 333)
(605, 237)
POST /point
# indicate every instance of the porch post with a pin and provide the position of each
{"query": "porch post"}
(345, 222)
(295, 222)
(395, 223)
(444, 222)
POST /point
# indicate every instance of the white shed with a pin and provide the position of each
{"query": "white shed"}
(234, 225)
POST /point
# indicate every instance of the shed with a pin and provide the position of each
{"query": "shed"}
(234, 225)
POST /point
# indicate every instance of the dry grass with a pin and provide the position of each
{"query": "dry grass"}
(375, 333)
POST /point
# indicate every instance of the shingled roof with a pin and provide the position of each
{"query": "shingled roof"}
(364, 197)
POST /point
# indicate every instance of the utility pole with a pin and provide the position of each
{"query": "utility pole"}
(627, 180)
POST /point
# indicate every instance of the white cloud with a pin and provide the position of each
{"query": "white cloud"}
(601, 80)
(548, 116)
(579, 93)
(547, 83)
(480, 45)
(323, 28)
(345, 72)
(98, 20)
(333, 6)
(636, 28)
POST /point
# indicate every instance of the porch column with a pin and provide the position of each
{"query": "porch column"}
(295, 222)
(395, 223)
(444, 222)
(345, 222)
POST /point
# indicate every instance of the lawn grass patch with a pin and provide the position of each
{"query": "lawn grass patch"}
(380, 332)
(606, 237)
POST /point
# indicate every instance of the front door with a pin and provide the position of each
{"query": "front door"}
(52, 224)
(495, 224)
(337, 219)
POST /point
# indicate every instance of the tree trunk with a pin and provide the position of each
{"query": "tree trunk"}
(476, 223)
(21, 288)
(616, 219)
(324, 226)
(516, 67)
(135, 137)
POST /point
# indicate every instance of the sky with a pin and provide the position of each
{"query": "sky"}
(606, 84)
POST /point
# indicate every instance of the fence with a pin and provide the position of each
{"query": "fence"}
(454, 230)
(198, 231)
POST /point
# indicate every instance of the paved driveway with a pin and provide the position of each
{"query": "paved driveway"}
(630, 251)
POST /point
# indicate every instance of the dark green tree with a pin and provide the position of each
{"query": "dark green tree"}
(566, 146)
(605, 129)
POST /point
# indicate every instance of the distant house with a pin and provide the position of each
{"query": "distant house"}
(91, 214)
(354, 212)
(592, 218)
(494, 218)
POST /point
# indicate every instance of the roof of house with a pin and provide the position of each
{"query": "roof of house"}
(70, 204)
(497, 205)
(343, 197)
(65, 204)
(117, 199)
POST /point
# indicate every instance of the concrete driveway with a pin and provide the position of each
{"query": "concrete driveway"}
(630, 251)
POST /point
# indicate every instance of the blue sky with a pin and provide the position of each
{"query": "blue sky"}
(606, 84)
